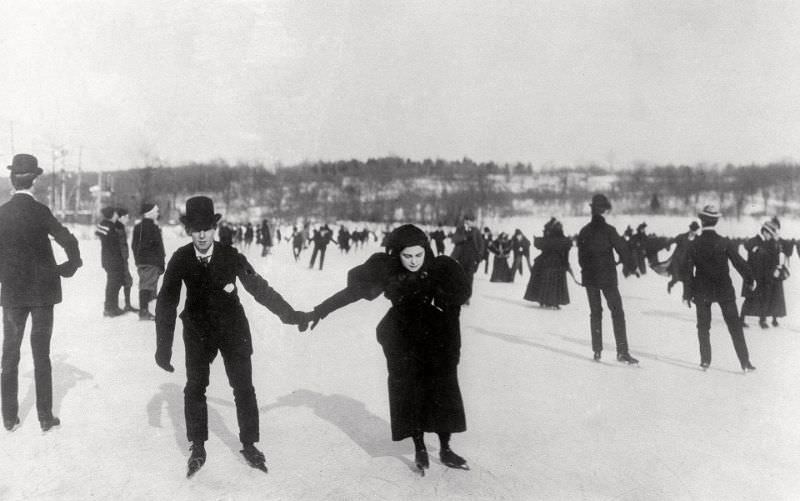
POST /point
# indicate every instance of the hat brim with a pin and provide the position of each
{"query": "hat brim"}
(38, 171)
(205, 224)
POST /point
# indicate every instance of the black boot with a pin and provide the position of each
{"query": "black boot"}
(254, 457)
(627, 358)
(197, 459)
(11, 424)
(128, 306)
(49, 422)
(144, 301)
(452, 460)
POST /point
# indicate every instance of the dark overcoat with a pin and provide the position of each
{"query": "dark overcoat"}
(468, 248)
(548, 281)
(147, 244)
(709, 278)
(111, 258)
(420, 336)
(212, 316)
(767, 299)
(597, 242)
(28, 270)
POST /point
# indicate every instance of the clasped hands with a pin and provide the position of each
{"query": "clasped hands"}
(303, 319)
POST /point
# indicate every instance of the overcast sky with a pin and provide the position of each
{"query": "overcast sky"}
(532, 81)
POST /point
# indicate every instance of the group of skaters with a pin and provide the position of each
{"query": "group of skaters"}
(419, 334)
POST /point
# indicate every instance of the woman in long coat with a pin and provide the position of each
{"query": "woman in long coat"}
(548, 282)
(501, 248)
(420, 336)
(767, 299)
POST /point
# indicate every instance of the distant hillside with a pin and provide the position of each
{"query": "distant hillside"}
(393, 188)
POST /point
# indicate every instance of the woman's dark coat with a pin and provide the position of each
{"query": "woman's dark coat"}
(548, 282)
(767, 300)
(420, 336)
(501, 271)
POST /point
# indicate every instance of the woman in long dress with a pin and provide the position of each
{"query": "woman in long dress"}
(501, 248)
(548, 282)
(420, 336)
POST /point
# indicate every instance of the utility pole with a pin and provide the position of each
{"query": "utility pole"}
(78, 190)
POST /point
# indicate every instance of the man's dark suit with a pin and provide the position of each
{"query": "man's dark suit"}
(31, 285)
(709, 281)
(597, 242)
(214, 320)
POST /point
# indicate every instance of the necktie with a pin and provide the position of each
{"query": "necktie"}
(204, 261)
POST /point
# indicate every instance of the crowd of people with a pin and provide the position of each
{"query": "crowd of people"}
(419, 334)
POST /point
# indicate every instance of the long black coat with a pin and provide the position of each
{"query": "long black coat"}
(548, 282)
(111, 258)
(597, 242)
(28, 270)
(767, 300)
(420, 336)
(709, 278)
(147, 244)
(468, 248)
(212, 316)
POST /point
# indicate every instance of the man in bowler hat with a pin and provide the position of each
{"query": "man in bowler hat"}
(709, 281)
(597, 242)
(214, 321)
(31, 285)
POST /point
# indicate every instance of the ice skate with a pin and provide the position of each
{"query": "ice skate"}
(254, 457)
(627, 358)
(11, 424)
(421, 461)
(196, 460)
(596, 356)
(452, 460)
(704, 366)
(49, 422)
(747, 367)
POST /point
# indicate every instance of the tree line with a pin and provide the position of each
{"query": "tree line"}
(429, 191)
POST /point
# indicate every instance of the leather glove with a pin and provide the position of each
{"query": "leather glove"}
(298, 318)
(68, 268)
(162, 360)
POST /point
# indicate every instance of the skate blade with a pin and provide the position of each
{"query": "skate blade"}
(192, 470)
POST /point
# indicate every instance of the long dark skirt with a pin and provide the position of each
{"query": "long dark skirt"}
(501, 272)
(422, 354)
(423, 398)
(767, 300)
(547, 286)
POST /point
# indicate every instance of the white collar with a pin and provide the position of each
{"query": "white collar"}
(208, 254)
(24, 192)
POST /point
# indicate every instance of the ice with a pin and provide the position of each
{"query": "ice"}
(544, 420)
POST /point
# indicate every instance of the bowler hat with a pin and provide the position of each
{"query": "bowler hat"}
(25, 164)
(709, 212)
(200, 214)
(600, 201)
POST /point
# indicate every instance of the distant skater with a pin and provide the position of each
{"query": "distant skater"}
(597, 242)
(710, 282)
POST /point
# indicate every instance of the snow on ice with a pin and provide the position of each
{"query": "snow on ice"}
(544, 421)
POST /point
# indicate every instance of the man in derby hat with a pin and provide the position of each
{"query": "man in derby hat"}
(214, 321)
(31, 285)
(597, 242)
(709, 282)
